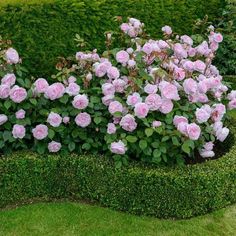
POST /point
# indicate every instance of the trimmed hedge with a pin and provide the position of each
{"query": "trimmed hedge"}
(42, 32)
(156, 191)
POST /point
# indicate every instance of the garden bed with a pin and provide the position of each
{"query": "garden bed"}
(162, 192)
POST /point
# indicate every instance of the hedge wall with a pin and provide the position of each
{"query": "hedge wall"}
(42, 32)
(157, 191)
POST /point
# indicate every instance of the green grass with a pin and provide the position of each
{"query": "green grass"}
(81, 219)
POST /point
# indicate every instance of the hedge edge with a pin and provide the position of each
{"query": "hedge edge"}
(181, 192)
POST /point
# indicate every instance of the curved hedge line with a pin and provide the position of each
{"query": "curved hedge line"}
(157, 191)
(42, 32)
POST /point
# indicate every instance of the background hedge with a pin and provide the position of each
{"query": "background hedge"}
(42, 32)
(157, 191)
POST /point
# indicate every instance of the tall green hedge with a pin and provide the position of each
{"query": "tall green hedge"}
(42, 32)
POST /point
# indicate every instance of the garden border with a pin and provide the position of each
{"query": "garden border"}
(163, 192)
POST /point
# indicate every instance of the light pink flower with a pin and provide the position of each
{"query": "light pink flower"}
(193, 131)
(9, 79)
(83, 119)
(221, 134)
(147, 48)
(232, 104)
(150, 88)
(199, 66)
(206, 154)
(179, 119)
(72, 89)
(179, 51)
(115, 106)
(203, 114)
(89, 77)
(108, 89)
(182, 128)
(189, 66)
(118, 147)
(131, 63)
(106, 100)
(119, 85)
(218, 112)
(3, 119)
(12, 56)
(71, 79)
(40, 132)
(128, 123)
(208, 146)
(41, 85)
(186, 39)
(169, 91)
(153, 101)
(54, 119)
(156, 123)
(4, 91)
(113, 73)
(18, 94)
(122, 57)
(166, 106)
(80, 101)
(55, 91)
(166, 29)
(18, 131)
(133, 99)
(141, 110)
(179, 74)
(217, 37)
(190, 86)
(66, 119)
(111, 128)
(54, 146)
(20, 114)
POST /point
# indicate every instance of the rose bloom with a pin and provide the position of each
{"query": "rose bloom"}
(71, 79)
(189, 66)
(153, 101)
(111, 128)
(40, 132)
(133, 99)
(3, 119)
(186, 39)
(150, 88)
(166, 106)
(108, 89)
(41, 85)
(54, 146)
(166, 29)
(8, 79)
(12, 56)
(179, 119)
(199, 66)
(55, 91)
(203, 114)
(106, 100)
(4, 91)
(232, 104)
(122, 57)
(113, 73)
(179, 74)
(18, 94)
(20, 114)
(217, 37)
(208, 146)
(72, 89)
(193, 131)
(182, 128)
(118, 147)
(218, 112)
(206, 154)
(18, 131)
(147, 48)
(89, 77)
(221, 134)
(179, 51)
(119, 85)
(101, 69)
(80, 101)
(169, 91)
(131, 63)
(115, 106)
(141, 110)
(54, 119)
(156, 123)
(128, 123)
(190, 86)
(83, 119)
(66, 119)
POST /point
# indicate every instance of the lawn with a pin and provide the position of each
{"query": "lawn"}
(81, 219)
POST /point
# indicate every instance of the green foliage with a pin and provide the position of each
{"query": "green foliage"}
(163, 192)
(43, 31)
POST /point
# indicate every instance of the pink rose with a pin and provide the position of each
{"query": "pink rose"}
(150, 88)
(4, 91)
(55, 91)
(115, 107)
(111, 128)
(199, 66)
(208, 146)
(3, 119)
(156, 123)
(119, 85)
(40, 132)
(54, 146)
(141, 110)
(147, 48)
(122, 57)
(41, 85)
(218, 112)
(221, 134)
(20, 114)
(186, 39)
(153, 101)
(166, 106)
(232, 104)
(190, 86)
(80, 101)
(167, 30)
(133, 99)
(202, 86)
(179, 74)
(106, 100)
(54, 119)
(118, 147)
(207, 154)
(179, 119)
(18, 131)
(189, 66)
(83, 119)
(9, 79)
(203, 114)
(128, 123)
(182, 128)
(113, 73)
(179, 51)
(72, 89)
(217, 126)
(66, 119)
(12, 56)
(71, 79)
(108, 89)
(169, 91)
(131, 63)
(217, 37)
(18, 94)
(89, 77)
(193, 131)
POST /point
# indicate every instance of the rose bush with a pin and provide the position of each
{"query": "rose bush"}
(159, 101)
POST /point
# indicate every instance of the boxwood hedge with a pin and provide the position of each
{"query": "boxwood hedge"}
(164, 192)
(43, 31)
